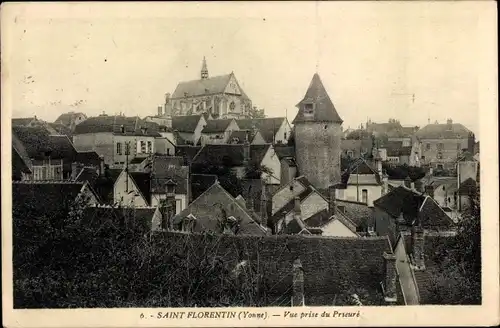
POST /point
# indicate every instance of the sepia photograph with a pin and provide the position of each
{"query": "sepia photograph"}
(249, 161)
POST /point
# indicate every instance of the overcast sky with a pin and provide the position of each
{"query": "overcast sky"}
(371, 56)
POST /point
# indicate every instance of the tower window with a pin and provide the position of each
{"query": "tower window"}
(309, 109)
(326, 126)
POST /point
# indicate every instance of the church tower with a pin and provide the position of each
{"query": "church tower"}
(204, 69)
(317, 137)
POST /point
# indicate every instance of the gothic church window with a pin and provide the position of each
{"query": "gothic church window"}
(232, 106)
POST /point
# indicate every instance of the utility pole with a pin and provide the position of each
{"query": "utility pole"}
(127, 152)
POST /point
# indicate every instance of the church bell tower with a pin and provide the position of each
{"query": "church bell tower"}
(204, 69)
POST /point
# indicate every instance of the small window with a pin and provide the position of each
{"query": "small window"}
(285, 136)
(428, 146)
(440, 166)
(143, 146)
(364, 196)
(440, 146)
(350, 153)
(309, 109)
(150, 147)
(168, 151)
(459, 146)
(119, 148)
(439, 155)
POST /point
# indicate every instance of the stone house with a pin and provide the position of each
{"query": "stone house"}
(362, 183)
(187, 129)
(218, 131)
(71, 119)
(216, 211)
(116, 138)
(442, 144)
(397, 211)
(274, 130)
(50, 156)
(238, 157)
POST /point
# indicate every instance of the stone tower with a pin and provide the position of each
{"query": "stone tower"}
(317, 137)
(204, 69)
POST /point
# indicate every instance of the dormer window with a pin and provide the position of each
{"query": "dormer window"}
(309, 109)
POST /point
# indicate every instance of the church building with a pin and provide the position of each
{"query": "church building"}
(219, 97)
(317, 137)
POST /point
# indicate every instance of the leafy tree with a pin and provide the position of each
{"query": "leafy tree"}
(256, 113)
(458, 280)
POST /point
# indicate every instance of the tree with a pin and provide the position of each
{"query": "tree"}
(458, 280)
(256, 113)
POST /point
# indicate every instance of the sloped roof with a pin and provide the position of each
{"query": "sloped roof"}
(284, 151)
(87, 174)
(425, 278)
(355, 144)
(47, 198)
(359, 169)
(413, 205)
(200, 183)
(60, 129)
(113, 124)
(163, 170)
(436, 131)
(67, 118)
(324, 109)
(143, 182)
(239, 137)
(140, 217)
(39, 144)
(22, 121)
(205, 206)
(212, 85)
(332, 266)
(88, 158)
(215, 126)
(268, 127)
(187, 123)
(229, 155)
(20, 150)
(468, 187)
(19, 165)
(188, 152)
(359, 213)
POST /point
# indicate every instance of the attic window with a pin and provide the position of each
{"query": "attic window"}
(309, 109)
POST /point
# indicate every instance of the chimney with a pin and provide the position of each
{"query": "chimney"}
(160, 111)
(471, 141)
(412, 186)
(429, 190)
(390, 295)
(407, 182)
(332, 200)
(101, 165)
(263, 205)
(298, 284)
(249, 200)
(122, 128)
(417, 247)
(296, 207)
(74, 170)
(170, 205)
(246, 151)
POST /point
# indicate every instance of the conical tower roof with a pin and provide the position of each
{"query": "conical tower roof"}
(323, 111)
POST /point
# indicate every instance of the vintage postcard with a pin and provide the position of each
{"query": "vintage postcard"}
(249, 164)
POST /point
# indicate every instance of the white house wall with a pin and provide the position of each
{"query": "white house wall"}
(120, 190)
(272, 161)
(336, 228)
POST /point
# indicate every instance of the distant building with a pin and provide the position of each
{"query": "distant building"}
(441, 144)
(116, 138)
(219, 96)
(187, 129)
(356, 148)
(274, 130)
(218, 131)
(217, 211)
(71, 119)
(317, 137)
(396, 152)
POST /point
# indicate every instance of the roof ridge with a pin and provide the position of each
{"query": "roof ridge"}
(48, 182)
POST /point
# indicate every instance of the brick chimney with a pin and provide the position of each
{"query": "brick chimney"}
(246, 150)
(169, 206)
(332, 200)
(471, 141)
(449, 124)
(429, 190)
(417, 247)
(249, 199)
(296, 207)
(298, 284)
(263, 205)
(390, 281)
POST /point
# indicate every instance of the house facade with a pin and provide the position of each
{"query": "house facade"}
(274, 130)
(116, 138)
(132, 189)
(71, 119)
(187, 129)
(218, 131)
(442, 144)
(362, 183)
